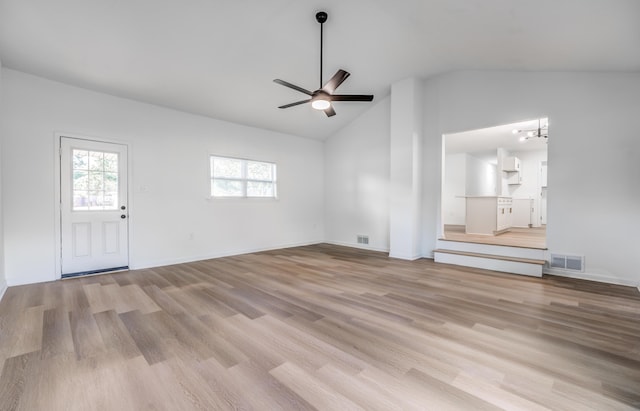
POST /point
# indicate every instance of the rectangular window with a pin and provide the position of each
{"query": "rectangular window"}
(236, 177)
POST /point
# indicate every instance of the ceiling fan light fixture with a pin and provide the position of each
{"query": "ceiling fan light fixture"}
(321, 98)
(320, 104)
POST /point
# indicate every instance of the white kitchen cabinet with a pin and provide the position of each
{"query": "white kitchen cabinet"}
(514, 177)
(488, 215)
(511, 164)
(523, 209)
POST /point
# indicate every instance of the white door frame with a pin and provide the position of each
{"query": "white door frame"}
(57, 187)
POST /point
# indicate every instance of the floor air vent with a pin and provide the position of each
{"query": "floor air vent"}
(567, 262)
(363, 239)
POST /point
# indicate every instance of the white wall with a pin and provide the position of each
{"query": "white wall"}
(357, 180)
(455, 180)
(3, 282)
(480, 177)
(593, 152)
(169, 178)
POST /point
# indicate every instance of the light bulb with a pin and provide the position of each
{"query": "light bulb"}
(320, 104)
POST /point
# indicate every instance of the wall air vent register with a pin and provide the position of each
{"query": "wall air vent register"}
(567, 262)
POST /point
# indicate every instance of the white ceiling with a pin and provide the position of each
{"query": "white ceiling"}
(218, 58)
(483, 143)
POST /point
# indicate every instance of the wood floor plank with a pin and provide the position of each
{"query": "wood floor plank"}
(312, 389)
(319, 327)
(56, 333)
(266, 391)
(115, 335)
(147, 336)
(29, 337)
(85, 334)
(13, 378)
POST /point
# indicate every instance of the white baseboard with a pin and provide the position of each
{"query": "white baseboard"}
(592, 277)
(162, 263)
(406, 257)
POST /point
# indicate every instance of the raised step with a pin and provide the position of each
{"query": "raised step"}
(509, 264)
(493, 249)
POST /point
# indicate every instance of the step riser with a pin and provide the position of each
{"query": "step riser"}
(534, 270)
(517, 252)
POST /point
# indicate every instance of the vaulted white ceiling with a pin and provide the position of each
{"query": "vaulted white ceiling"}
(218, 57)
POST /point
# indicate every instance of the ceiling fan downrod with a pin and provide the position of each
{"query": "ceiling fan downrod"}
(321, 17)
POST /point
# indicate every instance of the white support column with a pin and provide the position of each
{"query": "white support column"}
(3, 282)
(405, 169)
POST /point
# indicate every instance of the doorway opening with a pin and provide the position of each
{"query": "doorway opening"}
(494, 185)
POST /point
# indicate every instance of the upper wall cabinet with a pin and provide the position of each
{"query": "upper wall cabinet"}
(511, 164)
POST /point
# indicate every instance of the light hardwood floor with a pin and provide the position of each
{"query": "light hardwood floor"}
(319, 327)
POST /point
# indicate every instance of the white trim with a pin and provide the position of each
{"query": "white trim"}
(356, 245)
(3, 288)
(591, 277)
(163, 263)
(57, 136)
(405, 257)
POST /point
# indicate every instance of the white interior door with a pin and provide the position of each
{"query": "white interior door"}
(94, 209)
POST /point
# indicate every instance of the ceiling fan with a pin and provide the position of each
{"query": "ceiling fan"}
(541, 132)
(321, 98)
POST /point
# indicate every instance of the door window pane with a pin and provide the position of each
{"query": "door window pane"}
(80, 159)
(96, 161)
(80, 180)
(110, 182)
(95, 180)
(111, 162)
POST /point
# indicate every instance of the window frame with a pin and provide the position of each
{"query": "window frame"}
(243, 179)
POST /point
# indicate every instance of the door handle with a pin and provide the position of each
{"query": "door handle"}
(123, 216)
(123, 208)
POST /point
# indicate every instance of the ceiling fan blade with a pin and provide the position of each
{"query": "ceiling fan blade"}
(295, 104)
(329, 111)
(293, 86)
(335, 81)
(351, 97)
